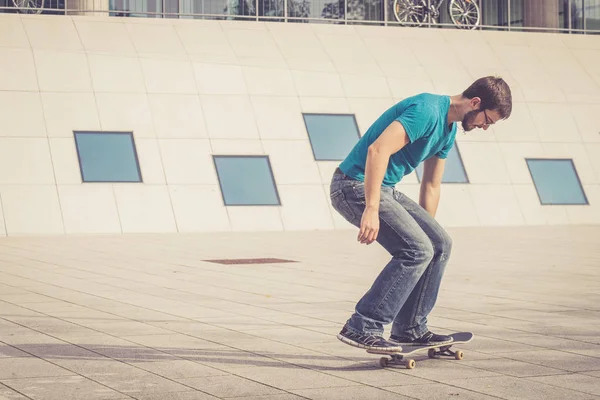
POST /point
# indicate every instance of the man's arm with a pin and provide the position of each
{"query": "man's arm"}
(391, 140)
(429, 197)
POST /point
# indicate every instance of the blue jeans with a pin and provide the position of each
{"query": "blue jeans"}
(407, 288)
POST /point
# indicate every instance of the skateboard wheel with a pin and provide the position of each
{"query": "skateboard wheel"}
(459, 355)
(384, 362)
(410, 364)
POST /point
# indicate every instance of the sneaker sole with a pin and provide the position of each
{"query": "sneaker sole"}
(352, 343)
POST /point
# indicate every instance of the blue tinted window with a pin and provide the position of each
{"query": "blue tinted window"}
(454, 171)
(556, 181)
(332, 136)
(107, 157)
(246, 180)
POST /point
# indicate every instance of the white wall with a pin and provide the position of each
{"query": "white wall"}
(189, 89)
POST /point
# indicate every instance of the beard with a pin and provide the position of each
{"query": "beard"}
(468, 119)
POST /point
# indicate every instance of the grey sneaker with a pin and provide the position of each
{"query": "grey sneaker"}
(428, 339)
(367, 341)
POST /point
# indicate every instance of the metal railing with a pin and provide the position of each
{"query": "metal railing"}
(425, 13)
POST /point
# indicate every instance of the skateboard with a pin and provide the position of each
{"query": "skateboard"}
(433, 351)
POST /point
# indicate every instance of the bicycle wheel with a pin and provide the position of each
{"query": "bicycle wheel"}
(29, 6)
(410, 12)
(464, 13)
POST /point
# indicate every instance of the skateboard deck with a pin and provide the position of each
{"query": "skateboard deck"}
(433, 351)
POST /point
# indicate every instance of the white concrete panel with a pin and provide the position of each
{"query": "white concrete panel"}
(278, 117)
(566, 72)
(2, 222)
(177, 116)
(269, 81)
(456, 207)
(236, 147)
(304, 207)
(365, 86)
(254, 218)
(409, 189)
(339, 222)
(593, 151)
(21, 114)
(321, 84)
(577, 152)
(25, 161)
(199, 208)
(496, 205)
(106, 37)
(12, 33)
(17, 70)
(326, 170)
(155, 39)
(68, 112)
(554, 122)
(403, 87)
(300, 47)
(514, 155)
(66, 163)
(125, 112)
(588, 214)
(219, 79)
(367, 111)
(144, 208)
(580, 41)
(229, 117)
(484, 163)
(168, 76)
(590, 60)
(324, 105)
(89, 209)
(533, 212)
(60, 71)
(188, 161)
(519, 127)
(31, 210)
(51, 32)
(193, 35)
(112, 73)
(394, 57)
(586, 118)
(349, 54)
(253, 47)
(151, 162)
(292, 161)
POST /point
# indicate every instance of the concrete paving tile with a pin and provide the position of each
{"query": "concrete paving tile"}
(7, 393)
(579, 382)
(178, 369)
(138, 381)
(591, 373)
(171, 342)
(349, 393)
(443, 370)
(512, 388)
(371, 374)
(123, 328)
(438, 391)
(229, 386)
(63, 388)
(193, 395)
(29, 367)
(288, 377)
(284, 396)
(9, 351)
(558, 359)
(512, 367)
(120, 349)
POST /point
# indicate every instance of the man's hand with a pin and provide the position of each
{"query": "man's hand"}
(369, 225)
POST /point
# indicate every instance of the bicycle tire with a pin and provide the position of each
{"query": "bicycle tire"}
(465, 14)
(417, 9)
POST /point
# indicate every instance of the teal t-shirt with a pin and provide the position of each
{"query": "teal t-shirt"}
(425, 119)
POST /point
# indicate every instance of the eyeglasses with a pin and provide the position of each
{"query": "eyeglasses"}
(488, 121)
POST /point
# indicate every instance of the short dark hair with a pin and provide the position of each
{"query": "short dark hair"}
(494, 93)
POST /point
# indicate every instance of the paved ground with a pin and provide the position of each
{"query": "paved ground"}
(121, 317)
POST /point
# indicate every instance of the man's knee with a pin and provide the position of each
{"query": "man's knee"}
(443, 244)
(422, 252)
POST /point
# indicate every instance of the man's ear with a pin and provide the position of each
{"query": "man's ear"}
(475, 103)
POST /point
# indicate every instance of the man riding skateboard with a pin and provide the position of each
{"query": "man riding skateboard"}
(418, 129)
